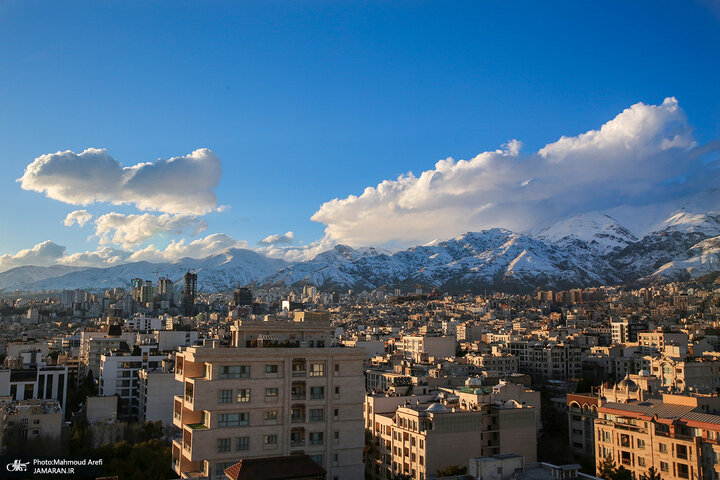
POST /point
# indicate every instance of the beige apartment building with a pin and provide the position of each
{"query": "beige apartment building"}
(415, 436)
(281, 389)
(677, 435)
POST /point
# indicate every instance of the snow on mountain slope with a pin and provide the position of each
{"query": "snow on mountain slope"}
(601, 233)
(588, 249)
(215, 273)
(704, 257)
(22, 277)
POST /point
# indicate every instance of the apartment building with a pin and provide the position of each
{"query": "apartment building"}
(678, 435)
(280, 389)
(156, 392)
(23, 421)
(502, 364)
(421, 347)
(416, 436)
(550, 360)
(119, 374)
(699, 374)
(582, 412)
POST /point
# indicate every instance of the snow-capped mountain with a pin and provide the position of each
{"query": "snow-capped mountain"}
(215, 273)
(602, 233)
(584, 250)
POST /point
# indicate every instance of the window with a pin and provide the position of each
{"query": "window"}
(270, 439)
(271, 369)
(225, 396)
(641, 461)
(317, 459)
(235, 371)
(317, 369)
(220, 468)
(681, 451)
(233, 419)
(316, 438)
(271, 415)
(664, 467)
(337, 391)
(271, 392)
(337, 367)
(662, 447)
(242, 443)
(335, 459)
(317, 392)
(223, 445)
(243, 395)
(336, 413)
(682, 470)
(640, 443)
(317, 415)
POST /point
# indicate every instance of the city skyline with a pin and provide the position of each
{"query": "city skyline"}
(293, 155)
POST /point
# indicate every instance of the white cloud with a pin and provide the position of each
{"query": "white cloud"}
(179, 185)
(630, 159)
(102, 257)
(132, 230)
(81, 217)
(200, 248)
(300, 252)
(277, 239)
(43, 254)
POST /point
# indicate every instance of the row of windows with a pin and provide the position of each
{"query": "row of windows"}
(242, 419)
(243, 394)
(243, 371)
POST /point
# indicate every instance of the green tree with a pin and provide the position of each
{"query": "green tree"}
(606, 469)
(622, 473)
(651, 474)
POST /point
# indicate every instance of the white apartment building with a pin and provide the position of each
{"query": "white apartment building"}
(119, 374)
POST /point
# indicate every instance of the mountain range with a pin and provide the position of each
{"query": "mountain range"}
(584, 250)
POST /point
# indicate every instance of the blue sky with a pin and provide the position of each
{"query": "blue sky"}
(305, 102)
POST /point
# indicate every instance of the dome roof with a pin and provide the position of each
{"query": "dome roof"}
(627, 383)
(644, 373)
(436, 408)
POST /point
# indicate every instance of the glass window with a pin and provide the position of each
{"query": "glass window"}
(317, 392)
(662, 447)
(271, 392)
(243, 395)
(271, 369)
(271, 415)
(664, 467)
(316, 438)
(235, 371)
(317, 369)
(223, 445)
(317, 415)
(225, 396)
(270, 439)
(242, 443)
(317, 459)
(233, 419)
(220, 468)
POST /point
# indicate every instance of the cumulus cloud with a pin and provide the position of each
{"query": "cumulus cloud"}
(644, 155)
(200, 248)
(298, 253)
(102, 257)
(277, 239)
(42, 254)
(132, 230)
(81, 217)
(180, 185)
